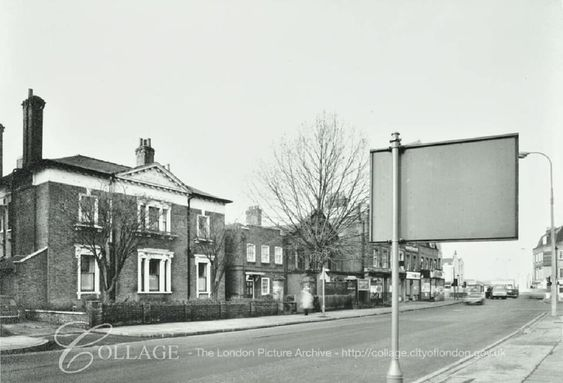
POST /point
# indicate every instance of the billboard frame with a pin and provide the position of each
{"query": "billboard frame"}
(402, 148)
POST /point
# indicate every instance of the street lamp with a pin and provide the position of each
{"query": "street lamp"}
(553, 254)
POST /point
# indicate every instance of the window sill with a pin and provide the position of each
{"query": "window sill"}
(154, 292)
(202, 239)
(86, 226)
(156, 234)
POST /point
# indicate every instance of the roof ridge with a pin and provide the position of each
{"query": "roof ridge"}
(91, 158)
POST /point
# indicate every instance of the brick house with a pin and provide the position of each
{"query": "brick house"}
(257, 265)
(43, 265)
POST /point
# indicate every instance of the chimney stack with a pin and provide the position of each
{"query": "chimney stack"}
(1, 150)
(254, 216)
(145, 153)
(32, 129)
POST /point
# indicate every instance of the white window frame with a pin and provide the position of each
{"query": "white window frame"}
(2, 218)
(253, 253)
(79, 251)
(207, 219)
(278, 255)
(82, 219)
(264, 254)
(162, 218)
(199, 259)
(143, 258)
(267, 280)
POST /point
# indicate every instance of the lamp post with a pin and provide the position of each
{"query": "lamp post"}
(553, 254)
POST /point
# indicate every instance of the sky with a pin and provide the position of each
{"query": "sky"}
(216, 84)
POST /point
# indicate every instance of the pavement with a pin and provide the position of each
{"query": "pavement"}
(532, 354)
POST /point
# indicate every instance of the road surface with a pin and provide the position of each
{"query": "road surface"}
(336, 351)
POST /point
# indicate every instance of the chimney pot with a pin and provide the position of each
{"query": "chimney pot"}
(145, 153)
(32, 129)
(254, 216)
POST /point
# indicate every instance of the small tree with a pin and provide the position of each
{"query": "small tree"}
(316, 187)
(213, 247)
(108, 227)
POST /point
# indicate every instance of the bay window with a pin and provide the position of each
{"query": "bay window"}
(154, 271)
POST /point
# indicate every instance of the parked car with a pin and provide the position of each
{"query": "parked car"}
(512, 291)
(9, 310)
(536, 293)
(475, 294)
(499, 292)
(488, 291)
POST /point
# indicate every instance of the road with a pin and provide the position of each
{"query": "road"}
(335, 351)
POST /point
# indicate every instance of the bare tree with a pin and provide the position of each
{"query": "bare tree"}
(316, 187)
(108, 226)
(212, 245)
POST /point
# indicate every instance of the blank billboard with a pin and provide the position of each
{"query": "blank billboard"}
(449, 191)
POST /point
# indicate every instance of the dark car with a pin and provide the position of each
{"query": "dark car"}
(9, 310)
(512, 291)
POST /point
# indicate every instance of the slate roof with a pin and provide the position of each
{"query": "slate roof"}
(95, 166)
(90, 163)
(558, 237)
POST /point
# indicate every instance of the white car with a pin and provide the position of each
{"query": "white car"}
(499, 292)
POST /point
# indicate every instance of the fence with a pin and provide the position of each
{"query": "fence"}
(120, 314)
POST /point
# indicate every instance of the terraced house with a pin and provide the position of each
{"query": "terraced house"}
(59, 217)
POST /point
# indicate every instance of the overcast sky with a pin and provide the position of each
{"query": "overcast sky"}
(215, 84)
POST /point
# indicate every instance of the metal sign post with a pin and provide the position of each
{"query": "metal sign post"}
(394, 374)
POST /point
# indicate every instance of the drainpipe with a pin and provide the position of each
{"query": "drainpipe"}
(188, 246)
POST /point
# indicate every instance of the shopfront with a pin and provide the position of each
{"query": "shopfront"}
(412, 288)
(437, 285)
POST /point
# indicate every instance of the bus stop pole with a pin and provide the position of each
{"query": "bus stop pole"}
(394, 374)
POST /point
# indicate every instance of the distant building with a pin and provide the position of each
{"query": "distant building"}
(453, 269)
(542, 259)
(256, 266)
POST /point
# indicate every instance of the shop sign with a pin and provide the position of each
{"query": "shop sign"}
(411, 249)
(436, 274)
(413, 275)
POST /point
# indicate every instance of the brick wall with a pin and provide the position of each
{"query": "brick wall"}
(31, 281)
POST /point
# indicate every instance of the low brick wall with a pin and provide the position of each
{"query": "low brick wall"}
(120, 314)
(58, 317)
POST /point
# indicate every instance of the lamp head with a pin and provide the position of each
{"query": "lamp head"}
(523, 155)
